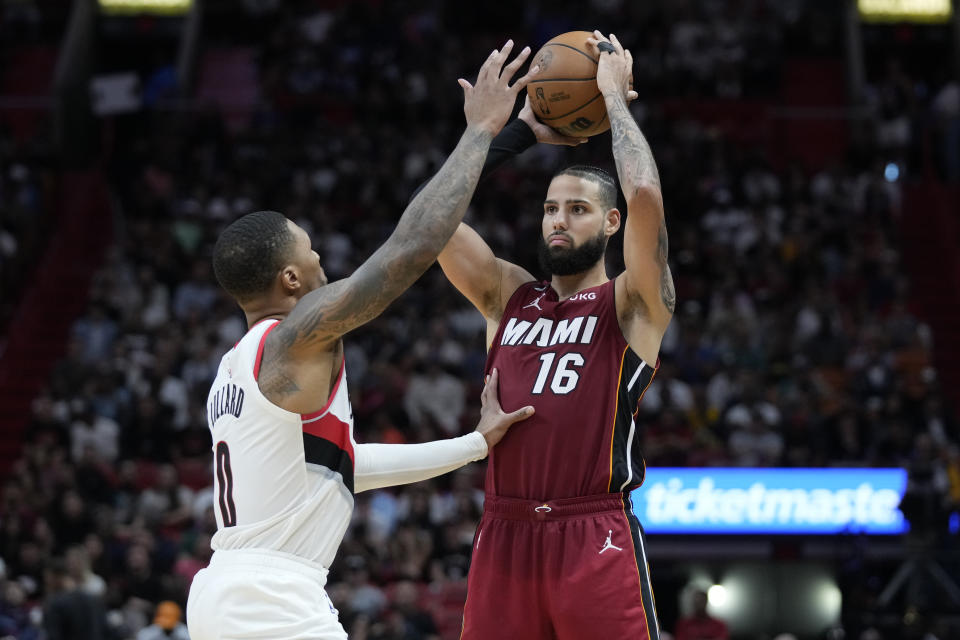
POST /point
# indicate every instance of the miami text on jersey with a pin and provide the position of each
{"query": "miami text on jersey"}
(544, 334)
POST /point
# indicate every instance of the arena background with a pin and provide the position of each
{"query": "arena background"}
(810, 158)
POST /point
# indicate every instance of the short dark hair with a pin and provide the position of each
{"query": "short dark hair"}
(250, 252)
(608, 186)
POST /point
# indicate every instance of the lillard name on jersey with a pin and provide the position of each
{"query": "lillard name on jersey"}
(282, 481)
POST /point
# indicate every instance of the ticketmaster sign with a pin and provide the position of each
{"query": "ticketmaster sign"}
(763, 501)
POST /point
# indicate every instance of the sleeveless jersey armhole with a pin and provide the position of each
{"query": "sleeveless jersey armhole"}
(310, 417)
(616, 317)
(263, 340)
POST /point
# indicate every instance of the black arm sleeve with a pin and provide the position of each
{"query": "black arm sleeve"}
(513, 139)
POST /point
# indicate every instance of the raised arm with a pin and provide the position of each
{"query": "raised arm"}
(648, 284)
(327, 313)
(485, 280)
(467, 260)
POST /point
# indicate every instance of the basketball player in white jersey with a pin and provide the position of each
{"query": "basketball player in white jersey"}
(285, 461)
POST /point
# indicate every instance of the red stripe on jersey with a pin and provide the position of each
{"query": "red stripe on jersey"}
(263, 339)
(332, 429)
(333, 394)
(251, 329)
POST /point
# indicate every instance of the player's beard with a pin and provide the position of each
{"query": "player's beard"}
(565, 261)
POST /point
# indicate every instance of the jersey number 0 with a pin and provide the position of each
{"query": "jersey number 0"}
(228, 510)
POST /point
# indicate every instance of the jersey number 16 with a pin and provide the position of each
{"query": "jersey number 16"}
(565, 376)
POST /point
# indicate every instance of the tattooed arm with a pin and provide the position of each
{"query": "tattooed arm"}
(322, 316)
(647, 283)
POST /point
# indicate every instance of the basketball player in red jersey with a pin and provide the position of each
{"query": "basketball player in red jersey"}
(559, 552)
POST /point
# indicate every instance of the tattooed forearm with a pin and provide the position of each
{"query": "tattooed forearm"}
(667, 292)
(434, 214)
(663, 243)
(638, 173)
(424, 229)
(635, 164)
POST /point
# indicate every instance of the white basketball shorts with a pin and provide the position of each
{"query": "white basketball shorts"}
(261, 594)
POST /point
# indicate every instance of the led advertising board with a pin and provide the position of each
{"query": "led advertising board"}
(919, 11)
(771, 501)
(146, 7)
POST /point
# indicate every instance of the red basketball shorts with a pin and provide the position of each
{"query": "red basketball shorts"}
(567, 569)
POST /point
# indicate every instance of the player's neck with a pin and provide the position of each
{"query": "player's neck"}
(261, 310)
(253, 319)
(570, 285)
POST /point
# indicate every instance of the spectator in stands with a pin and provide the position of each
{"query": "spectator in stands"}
(70, 613)
(73, 519)
(435, 397)
(77, 564)
(700, 625)
(197, 295)
(753, 442)
(15, 619)
(365, 598)
(166, 624)
(928, 484)
(167, 504)
(141, 586)
(407, 620)
(96, 333)
(93, 434)
(946, 109)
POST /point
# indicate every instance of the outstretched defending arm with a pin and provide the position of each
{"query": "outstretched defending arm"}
(649, 284)
(385, 465)
(327, 313)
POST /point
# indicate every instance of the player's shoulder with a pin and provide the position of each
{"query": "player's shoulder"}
(538, 286)
(512, 277)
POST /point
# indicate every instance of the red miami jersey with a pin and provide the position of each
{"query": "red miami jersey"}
(571, 361)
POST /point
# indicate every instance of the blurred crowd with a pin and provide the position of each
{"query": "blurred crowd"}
(26, 182)
(793, 343)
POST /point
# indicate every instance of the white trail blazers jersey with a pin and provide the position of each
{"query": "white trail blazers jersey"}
(282, 481)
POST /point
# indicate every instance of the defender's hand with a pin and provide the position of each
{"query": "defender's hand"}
(488, 103)
(615, 67)
(493, 421)
(544, 133)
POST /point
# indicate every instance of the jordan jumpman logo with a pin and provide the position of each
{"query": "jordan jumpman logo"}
(609, 545)
(536, 303)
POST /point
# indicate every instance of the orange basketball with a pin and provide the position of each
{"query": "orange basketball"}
(564, 93)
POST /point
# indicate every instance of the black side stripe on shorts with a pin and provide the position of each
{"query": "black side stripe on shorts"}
(643, 569)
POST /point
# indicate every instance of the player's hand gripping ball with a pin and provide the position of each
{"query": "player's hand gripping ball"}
(564, 94)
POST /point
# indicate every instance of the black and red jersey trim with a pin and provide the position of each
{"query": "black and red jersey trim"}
(627, 466)
(323, 452)
(326, 438)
